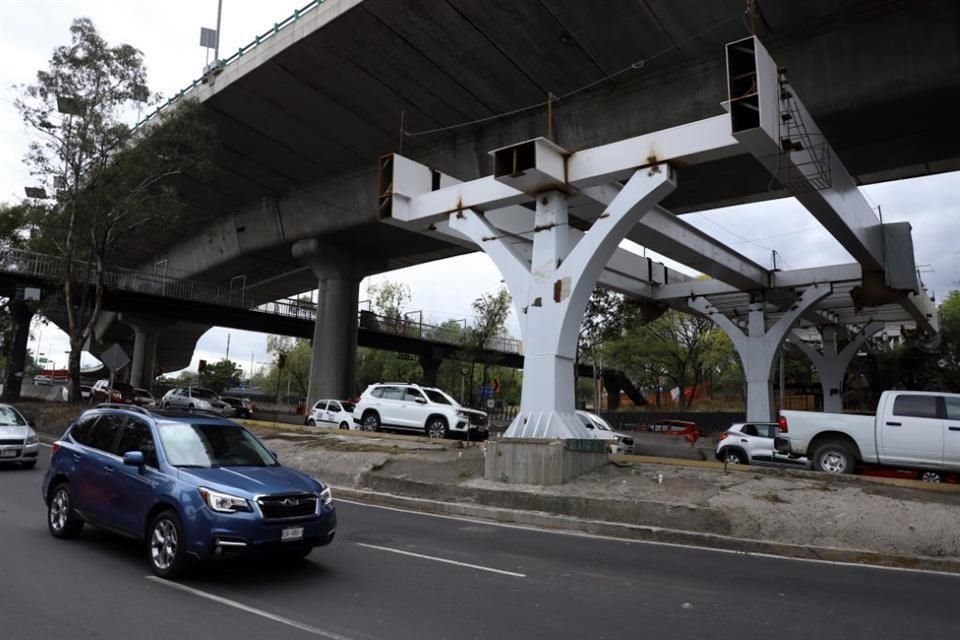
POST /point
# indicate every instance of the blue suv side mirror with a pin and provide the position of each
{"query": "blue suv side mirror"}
(134, 459)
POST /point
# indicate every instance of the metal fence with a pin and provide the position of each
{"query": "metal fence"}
(52, 268)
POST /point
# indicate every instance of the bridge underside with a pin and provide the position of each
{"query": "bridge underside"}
(302, 122)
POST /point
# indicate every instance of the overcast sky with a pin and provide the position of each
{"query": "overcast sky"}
(168, 34)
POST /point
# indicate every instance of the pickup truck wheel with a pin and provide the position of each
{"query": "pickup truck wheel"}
(732, 456)
(833, 457)
(344, 425)
(931, 476)
(436, 428)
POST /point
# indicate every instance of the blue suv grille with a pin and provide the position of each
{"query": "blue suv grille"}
(288, 506)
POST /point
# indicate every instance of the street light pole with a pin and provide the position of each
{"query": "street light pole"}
(216, 46)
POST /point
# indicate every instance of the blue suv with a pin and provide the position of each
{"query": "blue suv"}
(192, 485)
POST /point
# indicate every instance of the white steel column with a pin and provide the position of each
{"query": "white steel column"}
(831, 363)
(551, 292)
(758, 347)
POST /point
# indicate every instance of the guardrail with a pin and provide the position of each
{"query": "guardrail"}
(434, 333)
(51, 268)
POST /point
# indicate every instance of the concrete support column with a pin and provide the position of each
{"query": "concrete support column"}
(550, 292)
(430, 361)
(831, 362)
(758, 347)
(143, 364)
(22, 314)
(334, 361)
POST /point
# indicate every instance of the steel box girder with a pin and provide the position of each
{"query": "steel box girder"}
(411, 198)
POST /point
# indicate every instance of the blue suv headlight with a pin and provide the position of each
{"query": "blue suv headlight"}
(224, 502)
(326, 497)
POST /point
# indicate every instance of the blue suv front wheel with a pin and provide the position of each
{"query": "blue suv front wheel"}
(167, 546)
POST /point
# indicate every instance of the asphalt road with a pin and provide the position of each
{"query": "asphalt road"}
(395, 575)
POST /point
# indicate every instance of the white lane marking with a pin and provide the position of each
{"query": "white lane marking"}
(444, 560)
(242, 607)
(677, 545)
(44, 444)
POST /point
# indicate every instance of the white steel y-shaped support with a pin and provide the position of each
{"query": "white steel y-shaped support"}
(758, 347)
(552, 290)
(831, 363)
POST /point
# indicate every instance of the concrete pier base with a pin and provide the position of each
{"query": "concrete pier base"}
(540, 461)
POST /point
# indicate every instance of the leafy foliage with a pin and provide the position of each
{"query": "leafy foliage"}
(221, 375)
(675, 350)
(111, 182)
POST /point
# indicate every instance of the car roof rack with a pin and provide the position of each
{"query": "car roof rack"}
(129, 407)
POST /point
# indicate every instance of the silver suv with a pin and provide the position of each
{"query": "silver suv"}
(410, 407)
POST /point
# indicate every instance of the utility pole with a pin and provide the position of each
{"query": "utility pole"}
(227, 357)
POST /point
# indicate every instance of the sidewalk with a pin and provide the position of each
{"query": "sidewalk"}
(745, 509)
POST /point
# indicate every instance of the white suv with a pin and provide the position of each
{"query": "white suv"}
(410, 407)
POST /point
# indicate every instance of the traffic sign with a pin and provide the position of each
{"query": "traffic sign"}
(115, 358)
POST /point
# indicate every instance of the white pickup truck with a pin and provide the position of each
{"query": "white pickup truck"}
(912, 430)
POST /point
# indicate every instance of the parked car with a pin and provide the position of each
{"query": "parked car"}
(195, 398)
(143, 398)
(911, 430)
(410, 407)
(746, 443)
(331, 413)
(85, 392)
(121, 392)
(241, 408)
(619, 443)
(191, 486)
(18, 441)
(42, 380)
(685, 429)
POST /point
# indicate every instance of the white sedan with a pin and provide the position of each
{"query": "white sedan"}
(331, 413)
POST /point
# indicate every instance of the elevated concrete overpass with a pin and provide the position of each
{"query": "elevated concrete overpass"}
(303, 115)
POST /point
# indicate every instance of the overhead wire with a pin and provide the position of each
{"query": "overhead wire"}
(635, 66)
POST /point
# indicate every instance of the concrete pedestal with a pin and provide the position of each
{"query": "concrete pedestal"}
(539, 461)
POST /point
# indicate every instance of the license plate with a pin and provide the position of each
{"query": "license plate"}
(291, 533)
(8, 453)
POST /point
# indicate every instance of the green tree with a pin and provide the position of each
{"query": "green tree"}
(389, 299)
(948, 362)
(491, 311)
(603, 320)
(222, 375)
(110, 180)
(675, 348)
(295, 374)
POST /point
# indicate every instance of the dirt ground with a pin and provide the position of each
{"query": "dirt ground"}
(757, 503)
(765, 504)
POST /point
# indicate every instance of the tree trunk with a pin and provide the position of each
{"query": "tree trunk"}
(73, 369)
(20, 316)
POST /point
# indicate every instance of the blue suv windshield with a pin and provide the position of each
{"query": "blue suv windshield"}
(212, 445)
